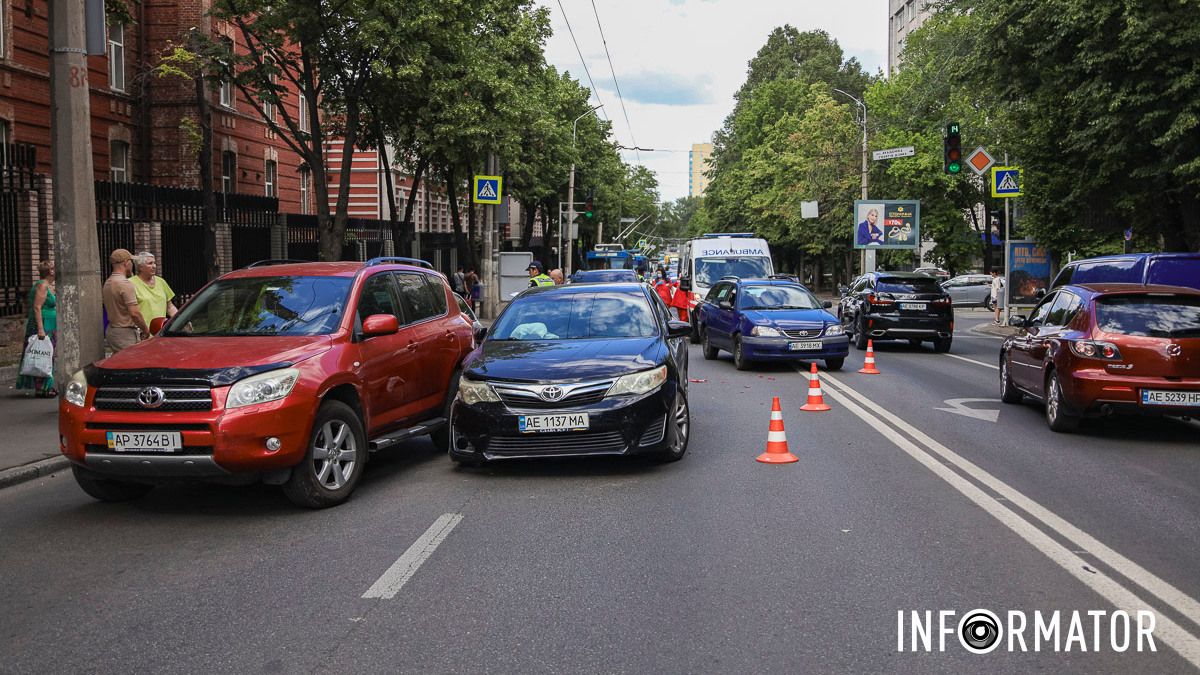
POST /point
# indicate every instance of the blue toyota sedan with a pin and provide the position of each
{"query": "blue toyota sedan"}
(769, 320)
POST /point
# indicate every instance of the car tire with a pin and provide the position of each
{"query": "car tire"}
(860, 338)
(942, 345)
(108, 489)
(834, 364)
(694, 338)
(1008, 391)
(739, 357)
(321, 479)
(441, 437)
(681, 418)
(710, 352)
(1057, 416)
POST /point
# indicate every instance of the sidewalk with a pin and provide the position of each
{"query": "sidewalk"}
(29, 446)
(990, 328)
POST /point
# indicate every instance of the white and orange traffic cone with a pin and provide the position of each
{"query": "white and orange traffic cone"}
(777, 449)
(869, 363)
(816, 399)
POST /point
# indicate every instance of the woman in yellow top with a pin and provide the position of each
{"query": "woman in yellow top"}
(154, 294)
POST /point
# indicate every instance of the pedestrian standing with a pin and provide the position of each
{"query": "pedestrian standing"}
(154, 294)
(557, 275)
(997, 293)
(125, 320)
(473, 288)
(458, 281)
(42, 322)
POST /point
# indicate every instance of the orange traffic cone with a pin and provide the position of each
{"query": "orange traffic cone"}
(869, 363)
(816, 399)
(777, 449)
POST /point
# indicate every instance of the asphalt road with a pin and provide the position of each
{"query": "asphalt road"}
(715, 563)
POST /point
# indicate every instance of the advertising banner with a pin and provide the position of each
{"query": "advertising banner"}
(887, 224)
(1029, 273)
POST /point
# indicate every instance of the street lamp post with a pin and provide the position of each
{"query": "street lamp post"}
(571, 198)
(868, 257)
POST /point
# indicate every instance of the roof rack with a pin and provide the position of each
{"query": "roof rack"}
(784, 277)
(731, 276)
(275, 261)
(715, 235)
(384, 260)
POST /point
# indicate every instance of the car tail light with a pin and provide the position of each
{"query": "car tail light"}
(942, 302)
(1094, 349)
(878, 300)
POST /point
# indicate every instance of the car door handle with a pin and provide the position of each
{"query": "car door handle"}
(412, 347)
(449, 335)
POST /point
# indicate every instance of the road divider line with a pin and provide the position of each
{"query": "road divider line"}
(978, 363)
(1160, 588)
(1171, 633)
(390, 583)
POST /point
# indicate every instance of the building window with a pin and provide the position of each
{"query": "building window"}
(118, 161)
(116, 56)
(228, 171)
(226, 93)
(303, 112)
(305, 182)
(269, 181)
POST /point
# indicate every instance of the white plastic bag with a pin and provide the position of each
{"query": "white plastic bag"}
(39, 357)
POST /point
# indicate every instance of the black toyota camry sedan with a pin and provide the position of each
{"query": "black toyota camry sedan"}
(575, 370)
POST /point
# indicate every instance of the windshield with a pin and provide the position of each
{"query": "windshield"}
(576, 316)
(777, 297)
(265, 306)
(907, 285)
(1149, 316)
(710, 270)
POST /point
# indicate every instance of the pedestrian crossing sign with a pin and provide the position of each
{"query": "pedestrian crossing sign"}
(1006, 181)
(488, 189)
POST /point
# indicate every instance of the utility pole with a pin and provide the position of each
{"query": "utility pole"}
(1007, 262)
(566, 266)
(867, 258)
(76, 244)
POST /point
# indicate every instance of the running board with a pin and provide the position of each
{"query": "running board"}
(426, 427)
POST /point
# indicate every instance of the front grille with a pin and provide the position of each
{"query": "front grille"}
(96, 449)
(572, 401)
(528, 395)
(803, 332)
(558, 444)
(654, 433)
(175, 399)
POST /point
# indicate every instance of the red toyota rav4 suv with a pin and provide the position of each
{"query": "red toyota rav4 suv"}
(289, 373)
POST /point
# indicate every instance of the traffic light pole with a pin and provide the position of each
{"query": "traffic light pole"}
(566, 266)
(867, 256)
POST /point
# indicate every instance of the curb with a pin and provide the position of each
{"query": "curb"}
(28, 472)
(8, 373)
(993, 330)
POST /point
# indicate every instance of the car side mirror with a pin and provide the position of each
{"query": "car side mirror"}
(380, 324)
(1041, 293)
(156, 324)
(725, 304)
(1018, 321)
(844, 290)
(480, 334)
(685, 284)
(679, 329)
(827, 304)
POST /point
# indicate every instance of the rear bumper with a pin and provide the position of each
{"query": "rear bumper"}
(901, 327)
(1095, 391)
(776, 348)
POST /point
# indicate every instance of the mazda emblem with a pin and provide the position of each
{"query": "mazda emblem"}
(1174, 350)
(551, 393)
(151, 397)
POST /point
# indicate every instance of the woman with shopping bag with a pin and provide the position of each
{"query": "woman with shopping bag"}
(37, 365)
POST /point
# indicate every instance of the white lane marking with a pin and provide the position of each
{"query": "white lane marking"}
(388, 585)
(1174, 635)
(978, 363)
(959, 406)
(1162, 589)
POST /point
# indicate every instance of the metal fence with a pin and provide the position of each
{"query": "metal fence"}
(17, 164)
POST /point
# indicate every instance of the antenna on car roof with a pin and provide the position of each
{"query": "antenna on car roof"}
(384, 260)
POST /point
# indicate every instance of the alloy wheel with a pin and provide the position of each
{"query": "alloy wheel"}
(682, 425)
(335, 455)
(1052, 398)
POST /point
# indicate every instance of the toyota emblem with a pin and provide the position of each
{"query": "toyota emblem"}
(551, 393)
(151, 397)
(1174, 350)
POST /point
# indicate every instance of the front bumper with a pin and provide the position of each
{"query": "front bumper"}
(1098, 391)
(618, 425)
(776, 348)
(216, 443)
(881, 326)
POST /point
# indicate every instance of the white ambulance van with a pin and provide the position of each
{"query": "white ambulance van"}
(705, 260)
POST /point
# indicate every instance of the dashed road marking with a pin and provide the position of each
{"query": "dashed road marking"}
(390, 583)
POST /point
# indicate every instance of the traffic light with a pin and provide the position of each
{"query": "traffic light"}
(587, 205)
(953, 149)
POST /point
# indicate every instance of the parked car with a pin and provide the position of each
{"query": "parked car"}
(769, 320)
(603, 276)
(576, 370)
(1171, 269)
(1101, 349)
(970, 290)
(935, 272)
(287, 373)
(897, 305)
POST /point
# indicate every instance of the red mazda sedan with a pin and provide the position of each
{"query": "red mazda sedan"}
(1102, 349)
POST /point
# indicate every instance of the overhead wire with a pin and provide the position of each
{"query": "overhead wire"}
(613, 70)
(583, 61)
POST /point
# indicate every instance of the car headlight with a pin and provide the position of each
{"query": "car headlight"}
(77, 390)
(472, 392)
(765, 331)
(270, 386)
(834, 329)
(639, 383)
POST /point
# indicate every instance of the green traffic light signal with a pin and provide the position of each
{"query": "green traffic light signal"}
(954, 167)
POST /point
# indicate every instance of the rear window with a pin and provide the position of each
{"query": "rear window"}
(574, 316)
(907, 285)
(1149, 315)
(1176, 272)
(1127, 271)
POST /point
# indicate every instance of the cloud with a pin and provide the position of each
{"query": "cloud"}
(665, 89)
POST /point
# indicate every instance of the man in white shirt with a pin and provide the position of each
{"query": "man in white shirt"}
(997, 293)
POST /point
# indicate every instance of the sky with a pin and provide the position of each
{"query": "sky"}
(679, 62)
